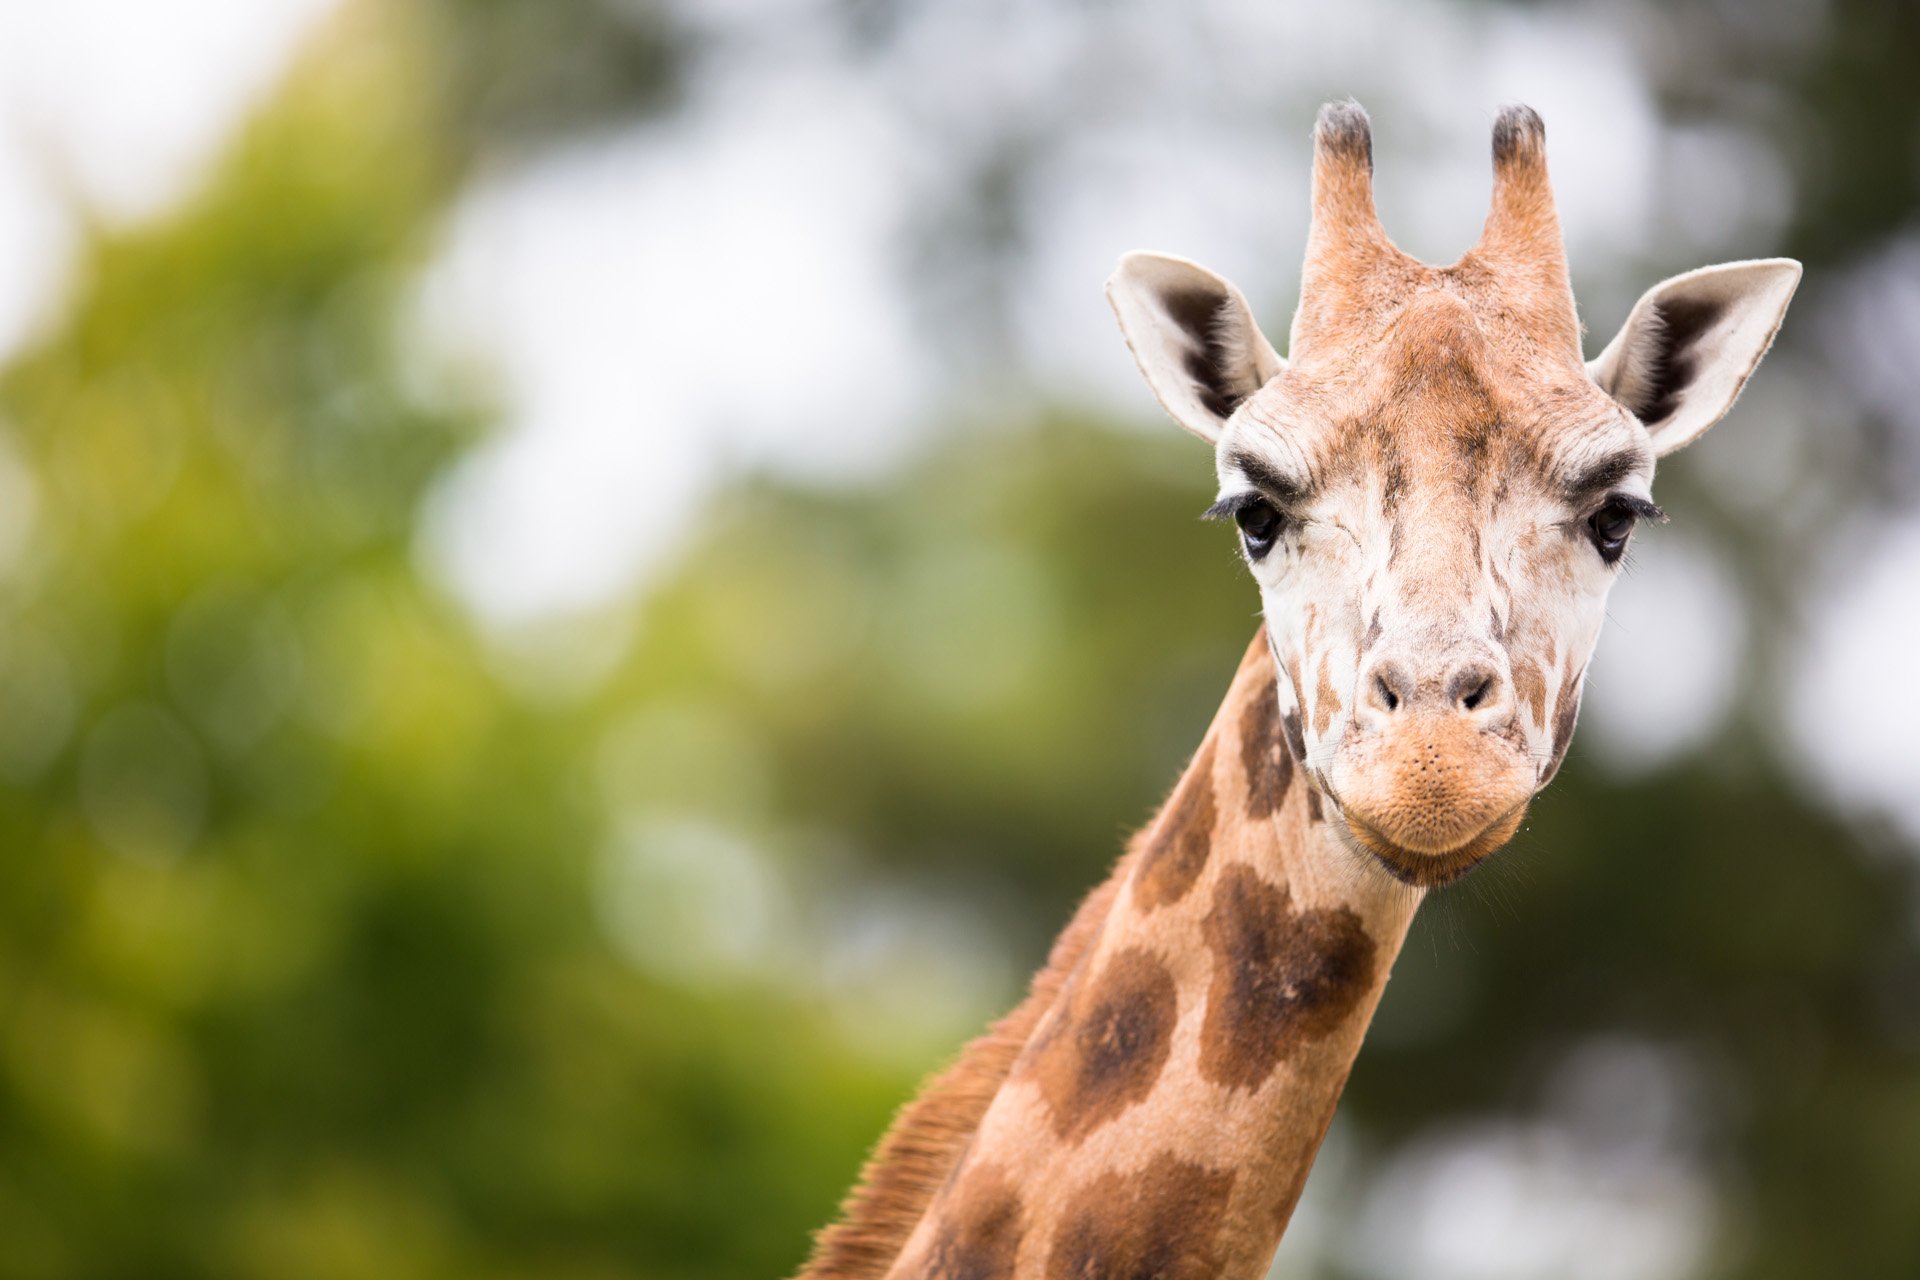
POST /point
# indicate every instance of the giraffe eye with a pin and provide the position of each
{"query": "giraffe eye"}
(1610, 526)
(1259, 526)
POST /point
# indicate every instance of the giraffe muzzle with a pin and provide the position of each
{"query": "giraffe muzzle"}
(1431, 796)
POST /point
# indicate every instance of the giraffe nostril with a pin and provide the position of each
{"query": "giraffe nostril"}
(1388, 688)
(1473, 687)
(1388, 697)
(1478, 695)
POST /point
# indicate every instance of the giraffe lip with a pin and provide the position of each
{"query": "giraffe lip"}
(1431, 870)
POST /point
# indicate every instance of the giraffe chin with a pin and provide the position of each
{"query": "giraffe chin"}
(1431, 794)
(1433, 868)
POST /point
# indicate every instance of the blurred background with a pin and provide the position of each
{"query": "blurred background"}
(583, 583)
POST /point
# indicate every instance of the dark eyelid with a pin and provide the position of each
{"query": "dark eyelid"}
(1282, 489)
(1602, 476)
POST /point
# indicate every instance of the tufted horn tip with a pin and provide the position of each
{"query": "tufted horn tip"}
(1522, 218)
(1519, 135)
(1345, 242)
(1522, 233)
(1343, 131)
(1343, 174)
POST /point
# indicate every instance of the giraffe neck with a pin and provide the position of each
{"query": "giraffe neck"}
(1155, 1105)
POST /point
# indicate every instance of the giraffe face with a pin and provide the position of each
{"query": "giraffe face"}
(1434, 493)
(1434, 532)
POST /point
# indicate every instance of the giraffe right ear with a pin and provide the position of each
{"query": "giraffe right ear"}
(1691, 343)
(1194, 338)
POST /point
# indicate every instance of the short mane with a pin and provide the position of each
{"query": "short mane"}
(929, 1134)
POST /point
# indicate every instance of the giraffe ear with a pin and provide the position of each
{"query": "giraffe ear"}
(1691, 343)
(1194, 338)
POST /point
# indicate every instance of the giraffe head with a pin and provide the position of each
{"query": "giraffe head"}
(1433, 491)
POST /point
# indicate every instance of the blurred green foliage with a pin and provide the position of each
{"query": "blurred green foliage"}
(299, 971)
(329, 947)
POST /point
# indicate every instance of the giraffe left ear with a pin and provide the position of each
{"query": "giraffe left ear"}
(1194, 338)
(1691, 343)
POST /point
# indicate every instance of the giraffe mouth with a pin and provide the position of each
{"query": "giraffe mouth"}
(1432, 800)
(1431, 869)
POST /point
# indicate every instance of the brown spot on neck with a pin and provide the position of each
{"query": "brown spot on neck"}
(980, 1228)
(1264, 758)
(1160, 1222)
(1177, 852)
(1103, 1050)
(1280, 977)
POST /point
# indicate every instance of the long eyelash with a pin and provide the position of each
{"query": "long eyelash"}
(1232, 505)
(1640, 507)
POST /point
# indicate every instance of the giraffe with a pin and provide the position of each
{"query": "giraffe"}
(1433, 493)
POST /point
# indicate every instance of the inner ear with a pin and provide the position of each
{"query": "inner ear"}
(1194, 338)
(1214, 358)
(1661, 359)
(1691, 343)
